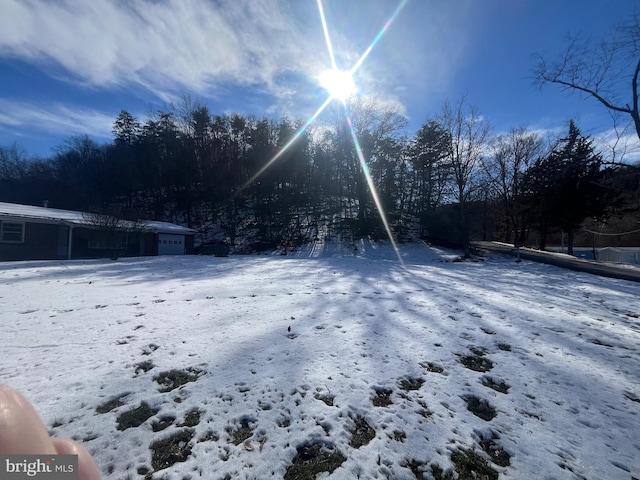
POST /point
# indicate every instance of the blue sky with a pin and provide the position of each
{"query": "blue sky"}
(68, 67)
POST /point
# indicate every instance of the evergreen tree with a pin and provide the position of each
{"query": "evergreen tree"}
(566, 187)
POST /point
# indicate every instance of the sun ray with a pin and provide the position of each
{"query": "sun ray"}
(371, 185)
(382, 31)
(288, 144)
(326, 35)
(354, 137)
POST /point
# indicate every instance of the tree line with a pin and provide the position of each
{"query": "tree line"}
(451, 182)
(262, 183)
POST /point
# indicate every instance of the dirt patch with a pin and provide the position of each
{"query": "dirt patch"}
(480, 408)
(173, 379)
(411, 383)
(242, 432)
(477, 363)
(497, 385)
(135, 417)
(170, 450)
(314, 458)
(362, 433)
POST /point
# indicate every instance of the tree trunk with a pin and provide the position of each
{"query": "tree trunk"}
(570, 235)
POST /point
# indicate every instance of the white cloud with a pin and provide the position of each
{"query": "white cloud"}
(619, 145)
(55, 119)
(166, 46)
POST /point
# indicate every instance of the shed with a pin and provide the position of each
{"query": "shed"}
(28, 232)
(630, 255)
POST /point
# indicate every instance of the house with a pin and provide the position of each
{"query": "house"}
(41, 233)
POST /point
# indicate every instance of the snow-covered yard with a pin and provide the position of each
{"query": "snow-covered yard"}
(387, 370)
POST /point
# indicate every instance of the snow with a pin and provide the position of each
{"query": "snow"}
(566, 343)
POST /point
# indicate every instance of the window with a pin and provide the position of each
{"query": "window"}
(12, 232)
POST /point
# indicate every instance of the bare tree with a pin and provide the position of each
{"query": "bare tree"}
(602, 70)
(13, 162)
(513, 153)
(469, 133)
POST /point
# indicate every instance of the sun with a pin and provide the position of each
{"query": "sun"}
(338, 83)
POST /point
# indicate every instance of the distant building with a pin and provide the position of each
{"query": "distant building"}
(40, 233)
(628, 255)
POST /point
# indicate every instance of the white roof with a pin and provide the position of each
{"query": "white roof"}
(56, 215)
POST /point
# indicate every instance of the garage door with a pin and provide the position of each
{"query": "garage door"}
(170, 244)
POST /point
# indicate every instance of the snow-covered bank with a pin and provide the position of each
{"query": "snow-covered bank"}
(379, 367)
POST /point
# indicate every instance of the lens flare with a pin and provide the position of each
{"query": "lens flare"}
(371, 185)
(340, 85)
(287, 145)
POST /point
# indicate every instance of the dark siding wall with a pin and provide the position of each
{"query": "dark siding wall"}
(188, 241)
(40, 243)
(138, 244)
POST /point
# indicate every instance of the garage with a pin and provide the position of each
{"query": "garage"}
(169, 244)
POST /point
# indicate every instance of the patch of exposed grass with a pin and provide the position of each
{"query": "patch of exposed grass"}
(432, 367)
(242, 432)
(144, 367)
(411, 383)
(172, 379)
(477, 363)
(416, 467)
(209, 436)
(135, 417)
(162, 423)
(284, 422)
(191, 419)
(382, 397)
(325, 397)
(172, 449)
(497, 454)
(313, 458)
(497, 385)
(478, 351)
(468, 465)
(362, 434)
(480, 408)
(425, 411)
(111, 404)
